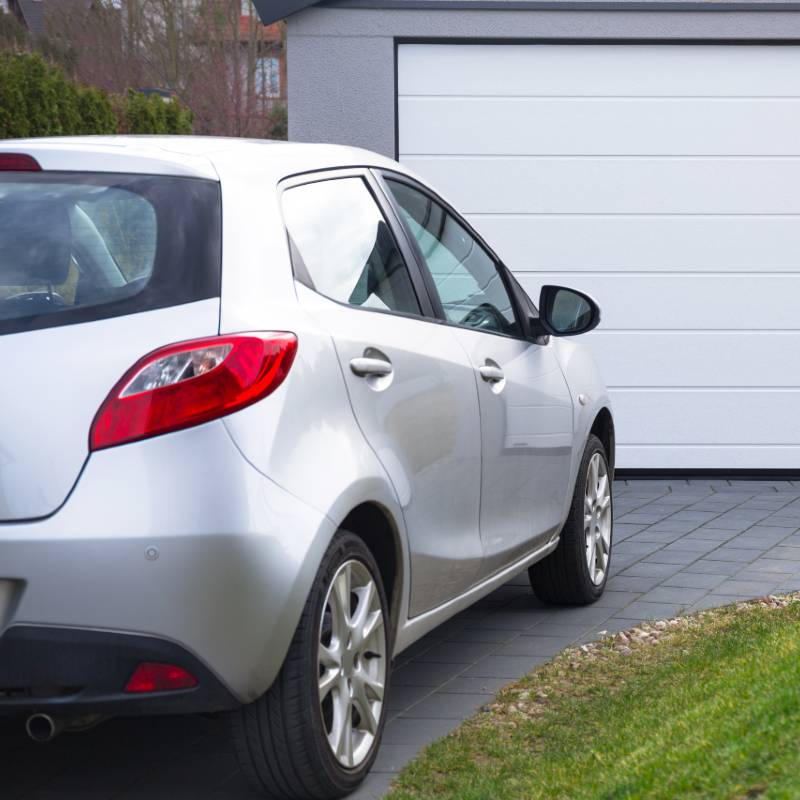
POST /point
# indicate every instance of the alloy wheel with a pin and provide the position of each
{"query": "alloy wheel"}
(352, 660)
(597, 518)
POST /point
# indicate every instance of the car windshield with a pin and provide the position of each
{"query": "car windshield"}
(75, 246)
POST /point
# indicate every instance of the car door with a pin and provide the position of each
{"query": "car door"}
(525, 403)
(410, 384)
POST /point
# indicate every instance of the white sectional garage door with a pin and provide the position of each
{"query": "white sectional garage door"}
(665, 181)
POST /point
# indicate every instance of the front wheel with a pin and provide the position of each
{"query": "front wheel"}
(315, 734)
(576, 572)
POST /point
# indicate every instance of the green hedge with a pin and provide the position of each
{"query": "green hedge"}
(141, 114)
(37, 100)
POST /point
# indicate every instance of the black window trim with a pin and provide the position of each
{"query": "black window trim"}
(382, 175)
(299, 270)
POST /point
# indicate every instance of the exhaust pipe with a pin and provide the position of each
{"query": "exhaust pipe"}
(42, 728)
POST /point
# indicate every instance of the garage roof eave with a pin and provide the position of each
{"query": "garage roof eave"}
(273, 10)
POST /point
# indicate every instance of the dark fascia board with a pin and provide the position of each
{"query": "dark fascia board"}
(273, 10)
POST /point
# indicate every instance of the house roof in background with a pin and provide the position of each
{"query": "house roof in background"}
(273, 10)
(33, 16)
(32, 13)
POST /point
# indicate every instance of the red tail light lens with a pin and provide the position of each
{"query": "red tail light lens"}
(18, 162)
(189, 383)
(150, 677)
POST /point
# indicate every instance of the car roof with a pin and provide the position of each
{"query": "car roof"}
(198, 156)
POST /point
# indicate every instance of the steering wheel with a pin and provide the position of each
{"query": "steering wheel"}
(30, 303)
(486, 317)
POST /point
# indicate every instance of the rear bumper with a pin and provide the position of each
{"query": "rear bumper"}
(175, 542)
(72, 672)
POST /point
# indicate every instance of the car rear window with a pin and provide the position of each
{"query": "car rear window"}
(76, 247)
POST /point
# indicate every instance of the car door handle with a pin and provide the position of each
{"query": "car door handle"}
(491, 374)
(370, 366)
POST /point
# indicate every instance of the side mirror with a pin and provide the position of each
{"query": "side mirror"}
(565, 312)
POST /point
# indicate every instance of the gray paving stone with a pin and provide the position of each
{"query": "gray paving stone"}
(643, 570)
(727, 553)
(393, 757)
(652, 535)
(783, 519)
(643, 517)
(689, 515)
(510, 620)
(679, 558)
(530, 645)
(571, 630)
(589, 615)
(464, 684)
(710, 483)
(789, 585)
(744, 587)
(374, 787)
(650, 611)
(418, 673)
(635, 547)
(769, 534)
(712, 566)
(622, 560)
(711, 534)
(676, 526)
(750, 574)
(767, 564)
(490, 635)
(786, 553)
(716, 504)
(681, 499)
(403, 697)
(696, 545)
(610, 599)
(653, 485)
(417, 731)
(715, 600)
(763, 485)
(623, 531)
(447, 705)
(451, 652)
(682, 595)
(629, 583)
(509, 667)
(695, 580)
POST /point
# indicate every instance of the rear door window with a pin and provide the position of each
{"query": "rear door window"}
(76, 247)
(342, 243)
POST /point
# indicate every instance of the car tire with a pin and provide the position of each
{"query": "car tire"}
(285, 739)
(576, 572)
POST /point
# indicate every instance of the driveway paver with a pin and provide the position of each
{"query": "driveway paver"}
(680, 545)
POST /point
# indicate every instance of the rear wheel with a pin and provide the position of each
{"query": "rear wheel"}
(315, 733)
(576, 572)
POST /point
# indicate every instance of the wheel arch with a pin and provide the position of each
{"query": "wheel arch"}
(374, 524)
(603, 429)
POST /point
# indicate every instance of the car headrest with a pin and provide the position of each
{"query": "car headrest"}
(35, 242)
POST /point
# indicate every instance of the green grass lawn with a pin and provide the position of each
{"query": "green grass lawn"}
(706, 707)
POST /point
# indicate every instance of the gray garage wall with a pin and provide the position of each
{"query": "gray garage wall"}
(341, 60)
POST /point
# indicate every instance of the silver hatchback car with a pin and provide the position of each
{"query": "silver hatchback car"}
(271, 413)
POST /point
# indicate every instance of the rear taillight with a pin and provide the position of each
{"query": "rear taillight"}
(190, 383)
(150, 677)
(18, 162)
